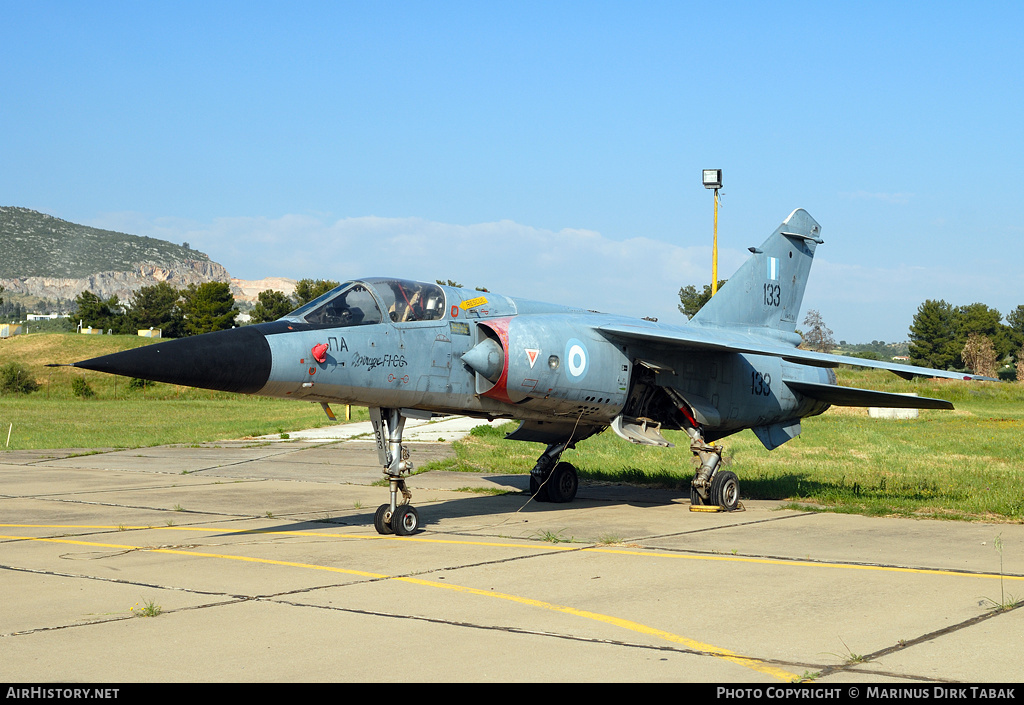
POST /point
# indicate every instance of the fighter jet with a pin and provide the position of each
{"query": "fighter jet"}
(410, 349)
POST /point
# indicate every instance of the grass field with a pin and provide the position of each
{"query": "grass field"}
(964, 464)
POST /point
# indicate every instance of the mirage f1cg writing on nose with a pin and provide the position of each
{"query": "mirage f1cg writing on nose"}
(411, 349)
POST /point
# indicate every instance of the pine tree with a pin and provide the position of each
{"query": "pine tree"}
(308, 289)
(932, 335)
(988, 322)
(208, 307)
(270, 306)
(691, 301)
(156, 307)
(105, 314)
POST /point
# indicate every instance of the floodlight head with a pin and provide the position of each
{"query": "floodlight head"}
(712, 178)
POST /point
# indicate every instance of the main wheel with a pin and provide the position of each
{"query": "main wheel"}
(405, 520)
(538, 491)
(695, 499)
(725, 490)
(382, 519)
(563, 483)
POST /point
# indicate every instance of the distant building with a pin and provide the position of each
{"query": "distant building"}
(901, 358)
(42, 316)
(9, 330)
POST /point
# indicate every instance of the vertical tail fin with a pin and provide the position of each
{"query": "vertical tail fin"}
(767, 291)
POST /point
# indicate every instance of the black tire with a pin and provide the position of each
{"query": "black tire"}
(537, 491)
(695, 499)
(725, 490)
(563, 483)
(382, 519)
(405, 521)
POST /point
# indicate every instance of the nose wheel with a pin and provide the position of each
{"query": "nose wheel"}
(403, 521)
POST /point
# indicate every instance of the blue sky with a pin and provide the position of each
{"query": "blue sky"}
(550, 150)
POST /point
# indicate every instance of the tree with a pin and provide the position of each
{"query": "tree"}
(157, 307)
(985, 321)
(818, 336)
(932, 335)
(979, 355)
(690, 301)
(1015, 319)
(270, 306)
(1015, 325)
(208, 307)
(93, 311)
(308, 289)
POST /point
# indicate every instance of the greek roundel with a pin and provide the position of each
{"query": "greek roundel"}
(577, 360)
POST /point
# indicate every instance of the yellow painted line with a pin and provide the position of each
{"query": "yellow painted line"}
(809, 564)
(538, 547)
(717, 652)
(295, 534)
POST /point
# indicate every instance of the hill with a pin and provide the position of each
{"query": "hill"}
(50, 258)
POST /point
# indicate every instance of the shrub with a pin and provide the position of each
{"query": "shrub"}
(15, 379)
(81, 388)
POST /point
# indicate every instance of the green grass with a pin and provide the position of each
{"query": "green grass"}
(962, 464)
(150, 609)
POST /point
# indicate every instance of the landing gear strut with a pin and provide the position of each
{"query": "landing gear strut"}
(712, 486)
(552, 481)
(396, 517)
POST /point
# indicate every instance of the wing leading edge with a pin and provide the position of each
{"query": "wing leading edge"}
(678, 338)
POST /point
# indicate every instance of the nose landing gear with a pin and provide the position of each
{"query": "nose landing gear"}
(397, 517)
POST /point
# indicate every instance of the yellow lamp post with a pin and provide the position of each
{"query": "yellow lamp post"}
(713, 179)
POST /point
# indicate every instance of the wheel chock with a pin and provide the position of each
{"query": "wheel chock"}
(704, 508)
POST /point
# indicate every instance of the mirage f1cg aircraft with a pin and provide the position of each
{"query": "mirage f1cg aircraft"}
(411, 349)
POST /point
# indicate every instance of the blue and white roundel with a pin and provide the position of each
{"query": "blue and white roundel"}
(577, 361)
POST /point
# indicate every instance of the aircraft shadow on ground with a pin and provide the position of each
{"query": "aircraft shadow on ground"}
(485, 505)
(797, 487)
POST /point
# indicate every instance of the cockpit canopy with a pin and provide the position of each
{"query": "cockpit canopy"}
(410, 301)
(359, 303)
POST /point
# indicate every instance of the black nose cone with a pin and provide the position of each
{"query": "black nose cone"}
(236, 360)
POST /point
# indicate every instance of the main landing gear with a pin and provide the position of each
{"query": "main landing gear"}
(396, 517)
(712, 486)
(552, 481)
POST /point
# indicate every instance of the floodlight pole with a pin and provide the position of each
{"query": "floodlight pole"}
(712, 178)
(714, 254)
